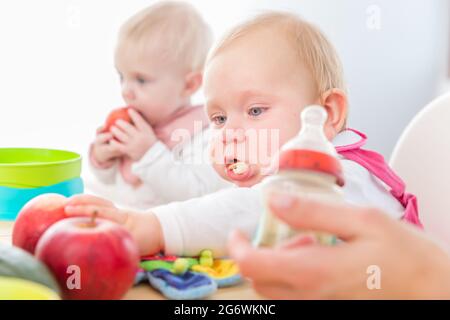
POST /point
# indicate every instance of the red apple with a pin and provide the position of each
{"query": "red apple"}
(90, 258)
(36, 216)
(117, 114)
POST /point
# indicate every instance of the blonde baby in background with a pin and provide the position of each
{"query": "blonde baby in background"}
(159, 56)
(259, 77)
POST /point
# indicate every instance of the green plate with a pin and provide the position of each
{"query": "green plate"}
(32, 168)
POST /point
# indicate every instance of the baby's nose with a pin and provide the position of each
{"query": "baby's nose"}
(233, 135)
(127, 92)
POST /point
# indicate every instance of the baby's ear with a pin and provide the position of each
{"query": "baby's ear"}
(335, 102)
(193, 81)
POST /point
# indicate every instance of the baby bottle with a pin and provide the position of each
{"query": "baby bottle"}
(308, 167)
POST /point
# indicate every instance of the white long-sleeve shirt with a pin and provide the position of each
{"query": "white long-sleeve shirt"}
(205, 223)
(167, 175)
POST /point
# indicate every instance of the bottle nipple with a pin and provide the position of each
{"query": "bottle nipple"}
(310, 149)
(311, 135)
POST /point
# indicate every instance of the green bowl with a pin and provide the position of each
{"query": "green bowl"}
(32, 168)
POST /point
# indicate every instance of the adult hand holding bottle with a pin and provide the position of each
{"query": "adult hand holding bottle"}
(409, 265)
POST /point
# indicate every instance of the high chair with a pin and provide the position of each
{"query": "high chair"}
(422, 158)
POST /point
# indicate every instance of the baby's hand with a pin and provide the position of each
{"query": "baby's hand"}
(102, 150)
(144, 227)
(133, 140)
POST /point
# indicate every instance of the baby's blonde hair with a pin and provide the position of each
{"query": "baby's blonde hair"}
(312, 47)
(177, 27)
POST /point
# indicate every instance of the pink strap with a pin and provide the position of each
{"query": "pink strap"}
(355, 145)
(376, 165)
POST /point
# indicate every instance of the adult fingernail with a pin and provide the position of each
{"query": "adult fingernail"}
(281, 200)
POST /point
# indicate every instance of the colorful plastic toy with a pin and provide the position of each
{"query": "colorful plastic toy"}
(186, 286)
(161, 262)
(206, 258)
(225, 272)
(180, 266)
(159, 257)
(184, 278)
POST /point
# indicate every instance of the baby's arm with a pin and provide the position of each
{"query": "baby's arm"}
(179, 179)
(182, 228)
(206, 222)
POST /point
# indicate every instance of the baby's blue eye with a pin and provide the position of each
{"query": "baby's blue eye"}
(218, 120)
(141, 80)
(255, 111)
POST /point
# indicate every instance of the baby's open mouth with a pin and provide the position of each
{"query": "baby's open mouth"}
(238, 167)
(238, 170)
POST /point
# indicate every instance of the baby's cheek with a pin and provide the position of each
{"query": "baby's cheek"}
(216, 157)
(260, 151)
(220, 169)
(215, 150)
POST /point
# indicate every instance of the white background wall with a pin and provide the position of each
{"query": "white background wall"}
(57, 80)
